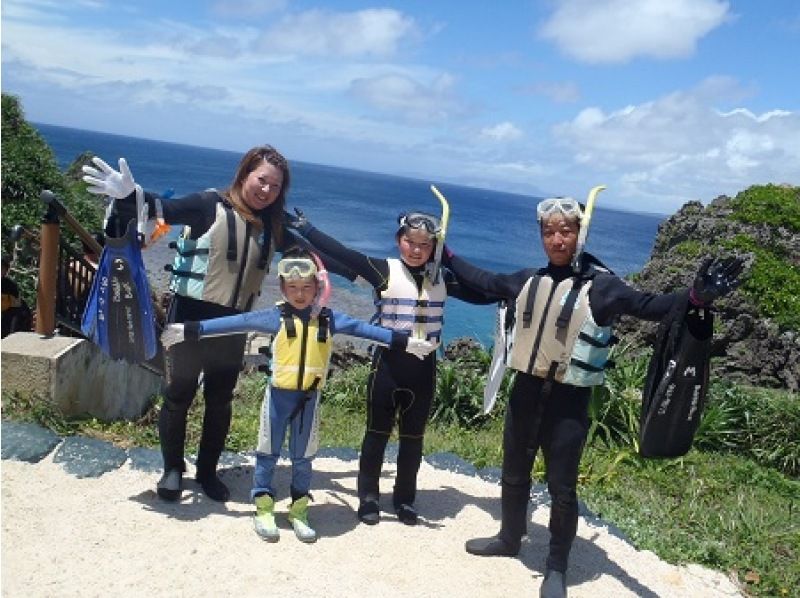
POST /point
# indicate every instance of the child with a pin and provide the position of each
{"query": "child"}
(300, 352)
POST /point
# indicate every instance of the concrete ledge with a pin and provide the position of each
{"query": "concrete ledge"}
(76, 376)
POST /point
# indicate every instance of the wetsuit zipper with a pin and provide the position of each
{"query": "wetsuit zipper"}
(302, 367)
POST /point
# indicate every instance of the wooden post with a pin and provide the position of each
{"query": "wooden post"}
(48, 274)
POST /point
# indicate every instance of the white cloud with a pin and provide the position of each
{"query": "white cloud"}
(679, 144)
(366, 33)
(620, 30)
(504, 131)
(406, 98)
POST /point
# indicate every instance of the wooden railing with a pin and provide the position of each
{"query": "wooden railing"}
(65, 277)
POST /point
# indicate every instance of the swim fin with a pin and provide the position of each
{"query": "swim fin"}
(677, 382)
(119, 315)
(494, 378)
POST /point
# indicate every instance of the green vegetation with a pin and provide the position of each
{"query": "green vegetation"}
(28, 167)
(772, 282)
(768, 204)
(730, 504)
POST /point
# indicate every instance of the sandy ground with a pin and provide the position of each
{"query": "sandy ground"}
(112, 536)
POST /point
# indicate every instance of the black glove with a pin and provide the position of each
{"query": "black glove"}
(124, 211)
(715, 278)
(299, 222)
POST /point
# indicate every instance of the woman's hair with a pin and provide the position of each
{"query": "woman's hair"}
(249, 162)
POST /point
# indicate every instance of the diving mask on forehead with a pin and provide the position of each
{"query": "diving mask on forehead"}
(566, 205)
(419, 221)
(295, 268)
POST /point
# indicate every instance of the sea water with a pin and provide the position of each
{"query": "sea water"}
(492, 229)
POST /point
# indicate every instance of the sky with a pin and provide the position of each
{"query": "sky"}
(662, 101)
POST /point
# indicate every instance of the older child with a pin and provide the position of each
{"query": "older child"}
(399, 389)
(300, 352)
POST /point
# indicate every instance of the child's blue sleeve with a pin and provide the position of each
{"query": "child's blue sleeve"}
(265, 320)
(344, 324)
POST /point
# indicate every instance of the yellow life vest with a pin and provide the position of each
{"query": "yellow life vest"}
(301, 351)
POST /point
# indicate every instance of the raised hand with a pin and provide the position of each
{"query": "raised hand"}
(104, 180)
(716, 278)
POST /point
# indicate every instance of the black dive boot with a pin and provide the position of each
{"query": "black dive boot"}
(514, 505)
(206, 476)
(554, 585)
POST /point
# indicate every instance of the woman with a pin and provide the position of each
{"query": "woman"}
(559, 344)
(222, 257)
(400, 387)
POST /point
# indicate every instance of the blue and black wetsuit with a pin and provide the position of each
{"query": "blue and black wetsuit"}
(300, 354)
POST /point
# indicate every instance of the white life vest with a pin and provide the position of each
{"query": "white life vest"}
(403, 306)
(225, 265)
(554, 334)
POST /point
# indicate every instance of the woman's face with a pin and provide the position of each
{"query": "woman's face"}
(560, 238)
(262, 186)
(416, 246)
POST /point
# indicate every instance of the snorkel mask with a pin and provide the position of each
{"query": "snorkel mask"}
(295, 268)
(418, 221)
(565, 205)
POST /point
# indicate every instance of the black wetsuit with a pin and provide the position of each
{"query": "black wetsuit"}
(219, 359)
(400, 386)
(556, 421)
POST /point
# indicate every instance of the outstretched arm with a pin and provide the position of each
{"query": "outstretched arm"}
(345, 324)
(265, 320)
(491, 284)
(374, 270)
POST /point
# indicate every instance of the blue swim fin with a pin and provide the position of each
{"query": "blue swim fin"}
(119, 315)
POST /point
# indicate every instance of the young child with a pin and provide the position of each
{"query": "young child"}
(300, 354)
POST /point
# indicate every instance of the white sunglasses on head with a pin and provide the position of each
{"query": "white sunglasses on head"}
(566, 205)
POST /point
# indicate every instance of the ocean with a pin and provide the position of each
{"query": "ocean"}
(495, 230)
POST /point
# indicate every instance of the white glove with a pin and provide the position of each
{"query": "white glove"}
(419, 347)
(107, 181)
(172, 334)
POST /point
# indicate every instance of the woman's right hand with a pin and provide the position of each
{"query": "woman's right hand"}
(298, 222)
(104, 180)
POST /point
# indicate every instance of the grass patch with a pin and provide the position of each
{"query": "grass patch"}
(722, 511)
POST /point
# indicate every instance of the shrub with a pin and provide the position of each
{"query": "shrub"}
(768, 204)
(615, 407)
(28, 167)
(780, 301)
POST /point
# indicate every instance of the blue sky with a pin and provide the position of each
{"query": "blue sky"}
(664, 101)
